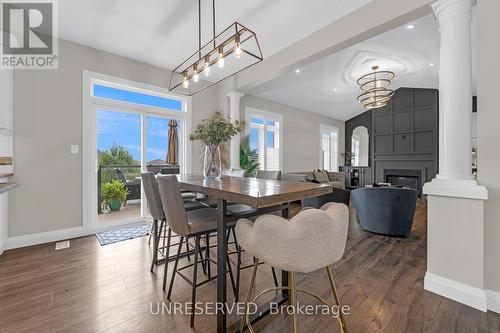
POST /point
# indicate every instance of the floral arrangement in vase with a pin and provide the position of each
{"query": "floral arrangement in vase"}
(213, 132)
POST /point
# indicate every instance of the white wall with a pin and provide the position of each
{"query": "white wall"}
(48, 119)
(300, 132)
(488, 121)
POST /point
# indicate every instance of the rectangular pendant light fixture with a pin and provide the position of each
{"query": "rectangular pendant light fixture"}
(230, 52)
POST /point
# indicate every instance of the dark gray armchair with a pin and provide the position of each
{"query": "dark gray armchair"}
(385, 210)
(133, 187)
(337, 195)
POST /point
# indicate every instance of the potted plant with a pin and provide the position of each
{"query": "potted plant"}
(114, 194)
(248, 158)
(213, 132)
(348, 158)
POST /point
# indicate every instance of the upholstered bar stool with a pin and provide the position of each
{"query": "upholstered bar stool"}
(273, 175)
(193, 224)
(156, 210)
(313, 239)
(241, 208)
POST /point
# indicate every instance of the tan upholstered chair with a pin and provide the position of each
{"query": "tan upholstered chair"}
(313, 239)
(235, 173)
(193, 224)
(273, 175)
(156, 210)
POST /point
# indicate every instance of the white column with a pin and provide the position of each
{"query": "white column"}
(234, 113)
(455, 88)
(455, 234)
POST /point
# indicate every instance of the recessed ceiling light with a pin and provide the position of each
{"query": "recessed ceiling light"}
(410, 26)
(297, 70)
(335, 89)
(431, 64)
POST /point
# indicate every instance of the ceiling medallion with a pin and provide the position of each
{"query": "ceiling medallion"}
(375, 92)
(235, 40)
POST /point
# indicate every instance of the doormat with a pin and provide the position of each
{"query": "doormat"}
(121, 234)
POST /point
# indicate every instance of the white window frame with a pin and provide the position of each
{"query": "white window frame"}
(89, 145)
(253, 112)
(331, 129)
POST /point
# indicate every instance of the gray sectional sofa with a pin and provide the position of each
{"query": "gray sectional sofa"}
(337, 179)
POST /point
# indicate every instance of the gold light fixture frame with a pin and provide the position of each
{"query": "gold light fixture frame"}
(375, 88)
(222, 45)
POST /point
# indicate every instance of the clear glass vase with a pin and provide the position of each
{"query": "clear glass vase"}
(212, 166)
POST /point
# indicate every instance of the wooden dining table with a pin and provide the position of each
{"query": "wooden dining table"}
(261, 194)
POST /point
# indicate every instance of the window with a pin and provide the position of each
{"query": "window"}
(265, 134)
(126, 95)
(329, 143)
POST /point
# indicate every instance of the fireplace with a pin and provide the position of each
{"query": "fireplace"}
(406, 177)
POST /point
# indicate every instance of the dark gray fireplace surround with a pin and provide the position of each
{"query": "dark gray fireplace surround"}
(411, 178)
(403, 137)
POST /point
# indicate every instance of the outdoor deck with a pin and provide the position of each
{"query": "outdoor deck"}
(128, 211)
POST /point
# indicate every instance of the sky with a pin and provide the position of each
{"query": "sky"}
(125, 128)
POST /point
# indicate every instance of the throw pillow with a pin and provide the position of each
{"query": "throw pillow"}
(310, 177)
(321, 176)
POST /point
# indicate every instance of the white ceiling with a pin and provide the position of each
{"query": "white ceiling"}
(406, 52)
(165, 32)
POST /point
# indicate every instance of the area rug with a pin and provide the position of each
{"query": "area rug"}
(121, 234)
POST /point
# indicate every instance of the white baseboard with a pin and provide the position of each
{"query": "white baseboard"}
(493, 300)
(463, 293)
(58, 235)
(44, 237)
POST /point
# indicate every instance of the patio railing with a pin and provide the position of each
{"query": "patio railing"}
(132, 174)
(107, 173)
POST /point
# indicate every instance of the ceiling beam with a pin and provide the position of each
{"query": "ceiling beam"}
(374, 18)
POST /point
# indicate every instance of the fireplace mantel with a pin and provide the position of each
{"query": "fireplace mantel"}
(418, 173)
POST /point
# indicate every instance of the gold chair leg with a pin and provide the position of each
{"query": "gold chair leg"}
(249, 294)
(337, 300)
(293, 299)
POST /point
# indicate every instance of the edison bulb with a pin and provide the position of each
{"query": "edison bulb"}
(237, 51)
(220, 62)
(196, 77)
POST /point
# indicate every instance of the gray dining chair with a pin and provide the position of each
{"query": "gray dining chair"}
(273, 175)
(244, 209)
(314, 239)
(261, 174)
(188, 225)
(212, 202)
(156, 210)
(235, 173)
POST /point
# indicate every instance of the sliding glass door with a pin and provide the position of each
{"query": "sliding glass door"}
(134, 130)
(119, 152)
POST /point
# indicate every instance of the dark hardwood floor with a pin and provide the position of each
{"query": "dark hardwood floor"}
(89, 288)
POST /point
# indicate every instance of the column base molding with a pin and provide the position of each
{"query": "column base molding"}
(459, 188)
(493, 300)
(462, 293)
